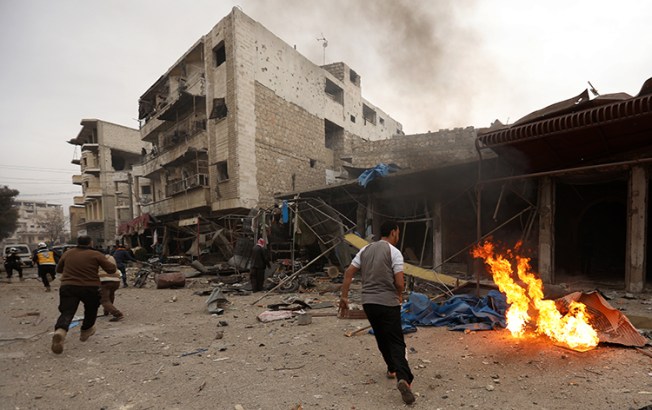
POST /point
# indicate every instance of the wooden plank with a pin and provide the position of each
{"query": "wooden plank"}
(410, 269)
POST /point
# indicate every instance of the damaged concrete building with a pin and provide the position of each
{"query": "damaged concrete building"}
(570, 182)
(241, 116)
(107, 154)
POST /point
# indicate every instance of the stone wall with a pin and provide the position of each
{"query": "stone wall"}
(418, 151)
(287, 139)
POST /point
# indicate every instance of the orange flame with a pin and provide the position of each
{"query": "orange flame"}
(572, 330)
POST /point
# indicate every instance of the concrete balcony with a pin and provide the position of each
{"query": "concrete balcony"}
(93, 192)
(147, 130)
(197, 198)
(175, 154)
(185, 185)
(91, 169)
(90, 146)
(78, 200)
(77, 179)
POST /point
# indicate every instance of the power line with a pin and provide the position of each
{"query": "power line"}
(51, 193)
(40, 183)
(36, 179)
(28, 168)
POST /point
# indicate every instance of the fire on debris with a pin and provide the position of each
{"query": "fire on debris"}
(528, 309)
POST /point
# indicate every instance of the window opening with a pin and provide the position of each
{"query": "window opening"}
(334, 92)
(219, 54)
(369, 114)
(333, 134)
(219, 110)
(222, 171)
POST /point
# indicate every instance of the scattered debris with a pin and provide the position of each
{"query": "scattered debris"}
(304, 318)
(217, 302)
(270, 316)
(357, 331)
(198, 351)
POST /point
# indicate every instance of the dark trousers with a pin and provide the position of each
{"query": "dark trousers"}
(108, 297)
(44, 271)
(123, 273)
(69, 298)
(386, 323)
(10, 270)
(257, 278)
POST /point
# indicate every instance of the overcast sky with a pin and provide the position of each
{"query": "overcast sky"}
(430, 64)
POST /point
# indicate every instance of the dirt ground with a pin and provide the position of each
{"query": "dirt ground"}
(168, 354)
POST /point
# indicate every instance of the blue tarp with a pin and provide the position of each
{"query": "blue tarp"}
(460, 312)
(379, 170)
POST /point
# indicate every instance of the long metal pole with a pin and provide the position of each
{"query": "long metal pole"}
(295, 273)
(567, 171)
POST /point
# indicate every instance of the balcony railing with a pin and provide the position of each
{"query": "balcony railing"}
(193, 181)
(77, 179)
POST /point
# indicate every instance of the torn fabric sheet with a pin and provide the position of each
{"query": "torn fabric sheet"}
(460, 312)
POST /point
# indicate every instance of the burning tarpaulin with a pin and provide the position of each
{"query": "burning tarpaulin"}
(578, 321)
(611, 324)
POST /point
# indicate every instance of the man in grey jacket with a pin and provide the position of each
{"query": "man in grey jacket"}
(381, 267)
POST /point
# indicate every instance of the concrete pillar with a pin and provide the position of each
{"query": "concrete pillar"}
(546, 266)
(437, 248)
(360, 219)
(636, 228)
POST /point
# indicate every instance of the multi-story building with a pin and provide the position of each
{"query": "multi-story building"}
(242, 115)
(108, 152)
(33, 217)
(77, 214)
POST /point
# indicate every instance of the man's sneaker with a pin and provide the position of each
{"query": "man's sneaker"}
(57, 340)
(85, 334)
(391, 375)
(406, 392)
(116, 318)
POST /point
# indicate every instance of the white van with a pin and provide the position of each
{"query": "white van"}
(23, 251)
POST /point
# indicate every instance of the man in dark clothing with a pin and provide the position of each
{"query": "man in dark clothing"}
(12, 262)
(381, 266)
(259, 262)
(122, 257)
(46, 261)
(80, 282)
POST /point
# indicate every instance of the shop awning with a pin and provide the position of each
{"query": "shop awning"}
(576, 132)
(135, 226)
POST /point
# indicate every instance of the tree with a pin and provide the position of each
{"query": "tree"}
(53, 223)
(8, 214)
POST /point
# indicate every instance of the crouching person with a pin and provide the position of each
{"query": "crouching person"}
(110, 283)
(80, 282)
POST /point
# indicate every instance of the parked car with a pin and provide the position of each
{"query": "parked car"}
(23, 251)
(60, 249)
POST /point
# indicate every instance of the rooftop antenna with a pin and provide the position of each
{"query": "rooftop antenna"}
(593, 90)
(324, 44)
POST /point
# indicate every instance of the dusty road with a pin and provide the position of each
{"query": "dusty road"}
(155, 359)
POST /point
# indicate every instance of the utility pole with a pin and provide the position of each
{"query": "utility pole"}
(131, 197)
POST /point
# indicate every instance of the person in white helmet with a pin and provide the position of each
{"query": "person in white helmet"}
(46, 261)
(12, 262)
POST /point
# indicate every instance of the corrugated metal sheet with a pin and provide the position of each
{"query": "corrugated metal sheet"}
(574, 138)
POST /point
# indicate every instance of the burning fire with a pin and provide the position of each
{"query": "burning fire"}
(527, 304)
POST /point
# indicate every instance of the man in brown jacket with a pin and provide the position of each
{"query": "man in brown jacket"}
(80, 282)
